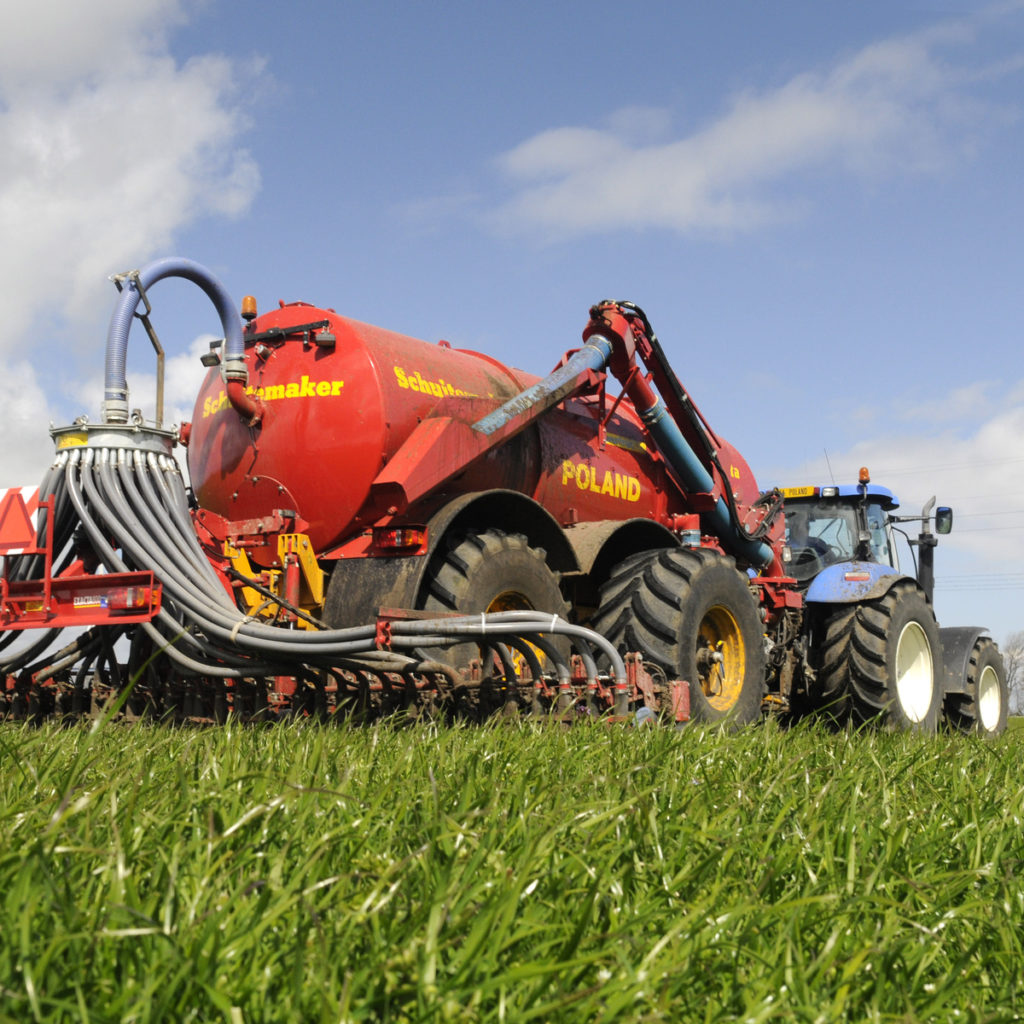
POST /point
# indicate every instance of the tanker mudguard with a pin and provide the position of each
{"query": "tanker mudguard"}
(831, 585)
(360, 587)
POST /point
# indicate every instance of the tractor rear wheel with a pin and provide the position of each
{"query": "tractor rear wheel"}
(985, 705)
(881, 662)
(690, 612)
(490, 571)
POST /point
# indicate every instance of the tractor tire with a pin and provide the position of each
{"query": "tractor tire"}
(490, 571)
(679, 607)
(880, 662)
(985, 705)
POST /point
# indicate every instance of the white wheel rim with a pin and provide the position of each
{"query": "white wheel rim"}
(990, 699)
(915, 676)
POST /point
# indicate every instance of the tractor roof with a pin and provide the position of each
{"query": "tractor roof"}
(841, 492)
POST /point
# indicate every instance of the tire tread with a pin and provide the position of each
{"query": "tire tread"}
(854, 684)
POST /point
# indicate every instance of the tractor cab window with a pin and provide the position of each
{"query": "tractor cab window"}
(822, 533)
(881, 549)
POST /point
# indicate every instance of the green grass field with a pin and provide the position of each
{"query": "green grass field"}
(512, 873)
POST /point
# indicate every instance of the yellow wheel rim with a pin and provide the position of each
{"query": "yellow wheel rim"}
(721, 658)
(513, 601)
(509, 601)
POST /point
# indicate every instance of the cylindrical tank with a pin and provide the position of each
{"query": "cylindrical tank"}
(334, 414)
(337, 411)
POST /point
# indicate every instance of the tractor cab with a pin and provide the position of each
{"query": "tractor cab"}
(838, 523)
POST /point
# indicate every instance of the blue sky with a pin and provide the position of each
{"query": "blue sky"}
(818, 205)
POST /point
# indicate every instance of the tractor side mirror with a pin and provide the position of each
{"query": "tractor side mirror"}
(943, 519)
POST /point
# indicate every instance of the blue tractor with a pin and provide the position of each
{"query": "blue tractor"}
(872, 648)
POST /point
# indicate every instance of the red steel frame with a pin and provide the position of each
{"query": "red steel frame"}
(71, 599)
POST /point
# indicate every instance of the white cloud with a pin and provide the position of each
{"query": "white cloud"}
(108, 174)
(49, 45)
(964, 404)
(109, 146)
(895, 106)
(27, 450)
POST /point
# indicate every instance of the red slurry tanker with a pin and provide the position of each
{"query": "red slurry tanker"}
(376, 523)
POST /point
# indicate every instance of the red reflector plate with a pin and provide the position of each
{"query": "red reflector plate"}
(856, 577)
(399, 537)
(126, 599)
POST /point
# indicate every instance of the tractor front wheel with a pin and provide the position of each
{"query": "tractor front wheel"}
(881, 662)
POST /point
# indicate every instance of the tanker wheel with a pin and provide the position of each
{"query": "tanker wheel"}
(985, 705)
(691, 612)
(490, 571)
(880, 662)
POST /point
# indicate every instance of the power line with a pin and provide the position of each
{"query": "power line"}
(984, 497)
(980, 575)
(990, 529)
(882, 474)
(981, 581)
(974, 515)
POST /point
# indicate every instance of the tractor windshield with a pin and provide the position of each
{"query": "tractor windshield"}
(821, 533)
